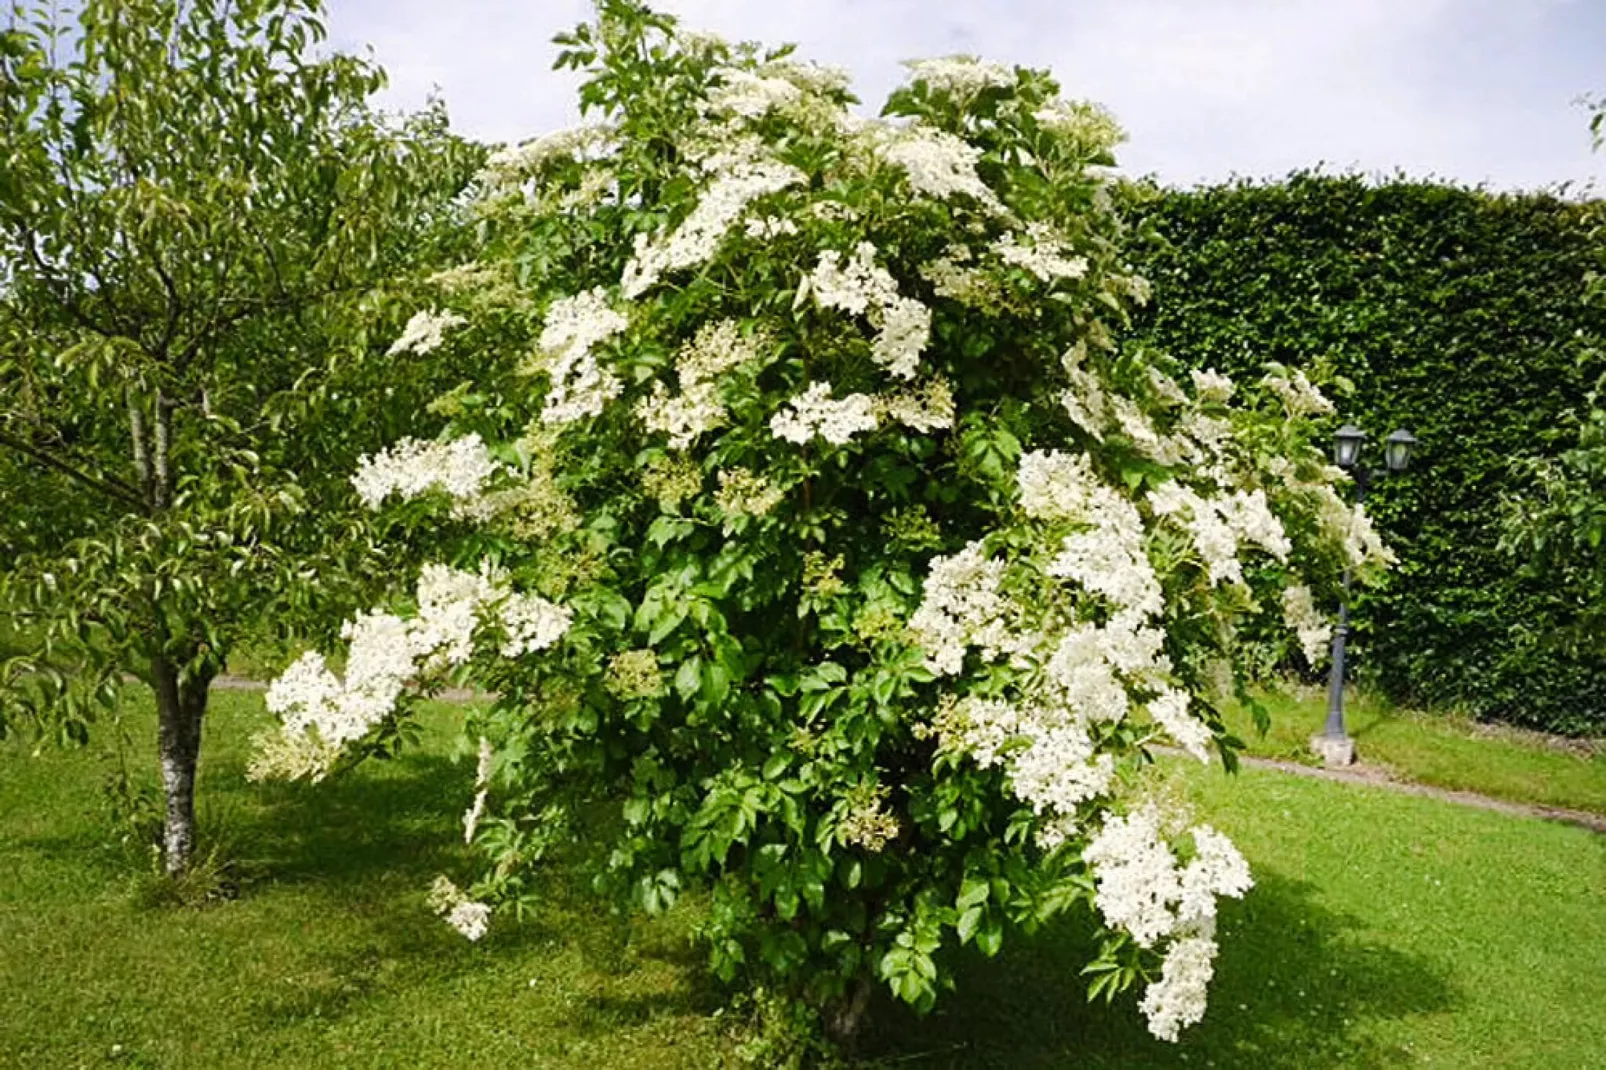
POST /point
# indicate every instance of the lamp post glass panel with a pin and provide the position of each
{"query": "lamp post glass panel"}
(1334, 744)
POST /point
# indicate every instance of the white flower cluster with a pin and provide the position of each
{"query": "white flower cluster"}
(1084, 398)
(470, 918)
(574, 326)
(1142, 889)
(741, 493)
(699, 235)
(1211, 385)
(1170, 712)
(1217, 524)
(939, 164)
(1087, 671)
(1088, 128)
(814, 412)
(861, 287)
(769, 227)
(425, 332)
(1166, 388)
(1107, 556)
(1298, 394)
(1135, 425)
(1351, 526)
(960, 76)
(955, 275)
(1314, 630)
(929, 409)
(961, 607)
(508, 167)
(749, 95)
(413, 467)
(1043, 253)
(717, 348)
(1047, 743)
(323, 712)
(1051, 758)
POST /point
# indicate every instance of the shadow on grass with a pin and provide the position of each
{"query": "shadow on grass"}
(386, 821)
(1295, 986)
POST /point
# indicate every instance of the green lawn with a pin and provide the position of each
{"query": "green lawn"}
(1384, 930)
(1438, 749)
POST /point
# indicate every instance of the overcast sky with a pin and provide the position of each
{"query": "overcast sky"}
(1481, 91)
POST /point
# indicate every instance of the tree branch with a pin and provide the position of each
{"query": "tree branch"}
(110, 487)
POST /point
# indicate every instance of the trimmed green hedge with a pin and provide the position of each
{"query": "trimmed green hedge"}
(1456, 313)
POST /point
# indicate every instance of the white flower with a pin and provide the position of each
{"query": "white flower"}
(412, 467)
(813, 412)
(699, 235)
(1043, 253)
(1314, 630)
(769, 227)
(960, 607)
(1084, 398)
(532, 623)
(928, 410)
(1251, 519)
(1217, 869)
(1211, 385)
(1299, 396)
(507, 167)
(1083, 677)
(684, 417)
(385, 653)
(938, 164)
(1059, 770)
(574, 326)
(1350, 527)
(425, 332)
(1136, 876)
(1178, 998)
(861, 287)
(960, 76)
(1170, 711)
(1141, 889)
(470, 918)
(1212, 536)
(1087, 128)
(749, 95)
(1108, 560)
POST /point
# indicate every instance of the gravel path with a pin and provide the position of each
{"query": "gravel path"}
(1372, 776)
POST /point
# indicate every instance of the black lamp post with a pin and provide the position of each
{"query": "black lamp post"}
(1334, 744)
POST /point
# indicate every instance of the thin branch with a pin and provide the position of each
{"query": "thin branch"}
(112, 488)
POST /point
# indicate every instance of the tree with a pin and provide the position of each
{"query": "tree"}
(199, 217)
(1557, 529)
(823, 545)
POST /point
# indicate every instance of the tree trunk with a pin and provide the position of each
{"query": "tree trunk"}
(844, 1020)
(180, 708)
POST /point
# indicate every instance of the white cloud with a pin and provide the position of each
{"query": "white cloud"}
(1476, 90)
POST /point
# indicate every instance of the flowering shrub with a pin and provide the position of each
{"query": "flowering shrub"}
(821, 544)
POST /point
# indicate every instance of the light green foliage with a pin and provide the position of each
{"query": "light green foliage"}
(199, 221)
(1558, 527)
(925, 562)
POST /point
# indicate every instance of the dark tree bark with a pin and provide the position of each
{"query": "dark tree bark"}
(845, 1019)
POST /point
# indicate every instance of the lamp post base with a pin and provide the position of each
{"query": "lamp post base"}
(1334, 751)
